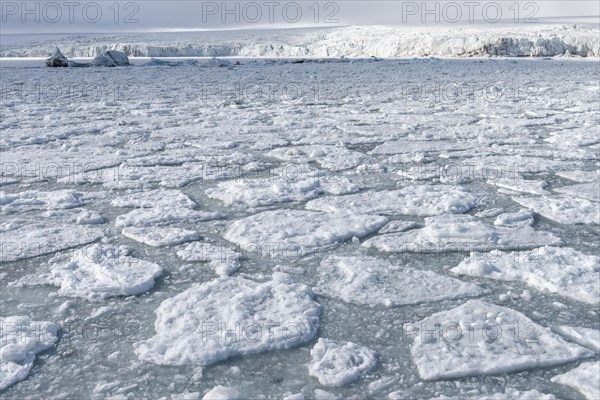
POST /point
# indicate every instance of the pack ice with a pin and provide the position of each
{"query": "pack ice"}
(563, 271)
(585, 379)
(21, 339)
(509, 394)
(423, 200)
(337, 364)
(479, 338)
(223, 259)
(372, 281)
(563, 209)
(195, 326)
(461, 233)
(101, 271)
(309, 231)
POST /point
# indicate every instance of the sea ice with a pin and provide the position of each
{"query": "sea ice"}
(337, 364)
(559, 270)
(372, 281)
(585, 337)
(585, 379)
(160, 236)
(479, 338)
(306, 231)
(563, 209)
(21, 339)
(223, 259)
(331, 158)
(222, 393)
(423, 200)
(509, 394)
(590, 191)
(36, 200)
(520, 218)
(195, 326)
(101, 271)
(520, 185)
(33, 239)
(447, 233)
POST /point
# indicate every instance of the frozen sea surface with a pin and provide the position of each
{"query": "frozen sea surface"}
(273, 229)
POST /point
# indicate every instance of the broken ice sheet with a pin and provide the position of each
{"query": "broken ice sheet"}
(563, 209)
(337, 364)
(460, 233)
(331, 158)
(21, 339)
(421, 200)
(561, 270)
(373, 281)
(299, 231)
(479, 338)
(192, 327)
(160, 236)
(585, 379)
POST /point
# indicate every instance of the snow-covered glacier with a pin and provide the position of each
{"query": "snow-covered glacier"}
(354, 41)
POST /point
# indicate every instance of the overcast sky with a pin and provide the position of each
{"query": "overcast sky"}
(126, 16)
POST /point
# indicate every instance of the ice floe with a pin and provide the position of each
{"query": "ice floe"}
(36, 239)
(36, 200)
(220, 392)
(423, 200)
(331, 158)
(563, 209)
(160, 236)
(195, 326)
(520, 185)
(21, 340)
(373, 281)
(559, 270)
(520, 218)
(223, 259)
(451, 233)
(585, 337)
(337, 364)
(585, 379)
(509, 394)
(101, 271)
(279, 189)
(304, 231)
(590, 191)
(479, 338)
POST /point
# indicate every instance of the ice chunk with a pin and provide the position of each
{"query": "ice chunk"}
(422, 146)
(154, 198)
(89, 217)
(479, 338)
(580, 176)
(279, 189)
(223, 259)
(160, 236)
(563, 209)
(34, 240)
(309, 231)
(111, 58)
(423, 200)
(372, 281)
(460, 233)
(564, 271)
(194, 327)
(520, 218)
(35, 200)
(57, 59)
(398, 226)
(509, 394)
(101, 271)
(21, 339)
(222, 393)
(331, 158)
(590, 191)
(585, 337)
(585, 379)
(337, 364)
(520, 185)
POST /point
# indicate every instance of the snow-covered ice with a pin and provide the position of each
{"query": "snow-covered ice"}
(509, 394)
(337, 364)
(101, 271)
(193, 327)
(479, 338)
(447, 233)
(306, 231)
(586, 337)
(559, 270)
(372, 281)
(160, 236)
(585, 379)
(424, 200)
(21, 340)
(563, 209)
(223, 259)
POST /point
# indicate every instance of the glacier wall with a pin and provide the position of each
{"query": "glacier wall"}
(359, 41)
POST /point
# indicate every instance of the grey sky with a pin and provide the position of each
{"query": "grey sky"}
(125, 16)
